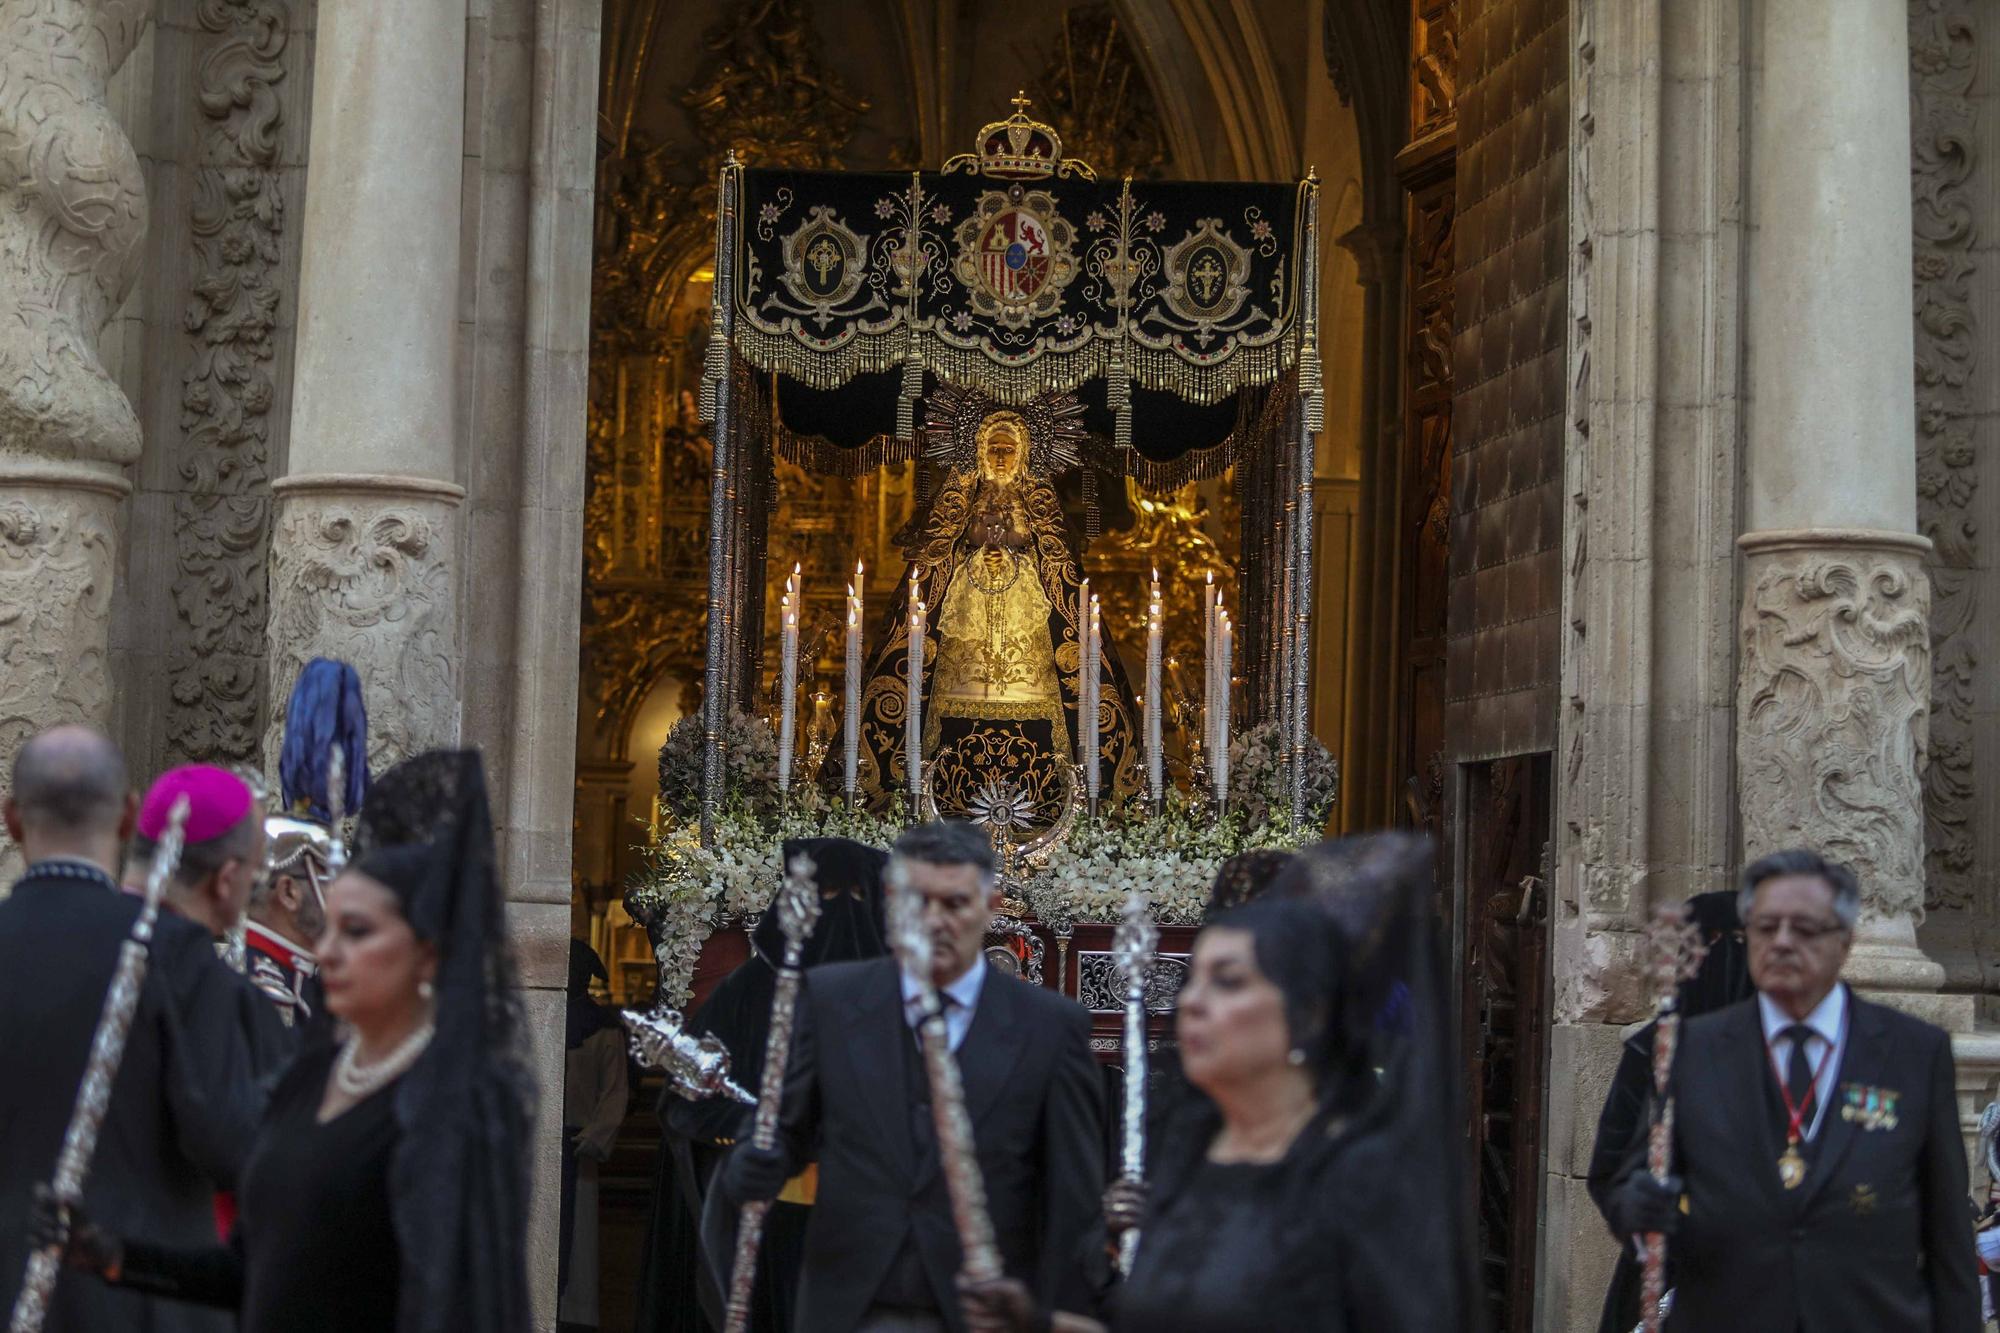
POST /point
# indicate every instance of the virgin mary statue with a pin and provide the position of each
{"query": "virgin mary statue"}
(995, 564)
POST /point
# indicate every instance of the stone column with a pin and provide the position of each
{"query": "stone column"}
(362, 555)
(72, 220)
(1833, 688)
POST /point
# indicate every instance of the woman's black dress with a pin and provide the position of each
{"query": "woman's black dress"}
(314, 1249)
(1223, 1256)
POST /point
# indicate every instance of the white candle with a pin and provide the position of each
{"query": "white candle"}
(1155, 773)
(1208, 648)
(850, 722)
(1227, 633)
(1087, 726)
(788, 682)
(913, 703)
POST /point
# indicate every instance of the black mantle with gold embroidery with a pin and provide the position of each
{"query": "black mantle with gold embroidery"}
(933, 554)
(1020, 288)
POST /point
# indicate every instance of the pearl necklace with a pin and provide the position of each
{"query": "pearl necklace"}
(357, 1080)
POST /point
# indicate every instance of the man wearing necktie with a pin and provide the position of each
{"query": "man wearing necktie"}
(882, 1253)
(1822, 1181)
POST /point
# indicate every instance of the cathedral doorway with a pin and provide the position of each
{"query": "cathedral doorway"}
(1365, 91)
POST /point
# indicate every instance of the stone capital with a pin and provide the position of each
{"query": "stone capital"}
(368, 574)
(1833, 717)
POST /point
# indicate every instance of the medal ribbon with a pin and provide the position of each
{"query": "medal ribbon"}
(1794, 1132)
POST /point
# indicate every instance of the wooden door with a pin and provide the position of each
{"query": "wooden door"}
(1504, 1016)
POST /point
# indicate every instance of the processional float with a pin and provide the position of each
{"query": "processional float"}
(1021, 331)
(1007, 322)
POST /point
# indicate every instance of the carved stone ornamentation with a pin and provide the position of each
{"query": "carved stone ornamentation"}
(72, 226)
(1943, 154)
(72, 220)
(222, 511)
(1833, 702)
(361, 569)
(56, 550)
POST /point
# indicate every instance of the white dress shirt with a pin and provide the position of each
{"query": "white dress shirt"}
(1828, 1020)
(957, 1017)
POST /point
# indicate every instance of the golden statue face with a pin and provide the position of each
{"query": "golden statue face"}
(1003, 447)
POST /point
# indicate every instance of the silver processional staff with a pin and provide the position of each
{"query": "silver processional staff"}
(798, 912)
(1133, 946)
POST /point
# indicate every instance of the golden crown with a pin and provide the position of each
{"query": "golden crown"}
(1019, 148)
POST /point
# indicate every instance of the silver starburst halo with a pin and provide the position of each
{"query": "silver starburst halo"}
(1000, 804)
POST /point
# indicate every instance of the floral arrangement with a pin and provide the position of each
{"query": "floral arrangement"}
(687, 891)
(750, 765)
(1172, 860)
(1257, 780)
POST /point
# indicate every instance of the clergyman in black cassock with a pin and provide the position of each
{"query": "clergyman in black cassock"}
(183, 1108)
(857, 1102)
(1834, 1199)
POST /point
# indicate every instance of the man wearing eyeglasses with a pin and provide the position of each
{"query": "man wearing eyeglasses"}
(1822, 1181)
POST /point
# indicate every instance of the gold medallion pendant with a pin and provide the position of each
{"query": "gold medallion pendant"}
(1792, 1166)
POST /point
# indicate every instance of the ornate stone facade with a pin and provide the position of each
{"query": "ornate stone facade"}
(72, 220)
(71, 227)
(222, 510)
(1833, 705)
(365, 569)
(1943, 143)
(56, 549)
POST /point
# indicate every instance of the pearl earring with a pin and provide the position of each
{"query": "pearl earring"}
(1298, 1055)
(426, 990)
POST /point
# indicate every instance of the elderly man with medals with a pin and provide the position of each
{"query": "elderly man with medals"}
(1821, 1181)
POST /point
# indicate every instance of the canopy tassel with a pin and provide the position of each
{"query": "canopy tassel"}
(906, 401)
(714, 365)
(1118, 397)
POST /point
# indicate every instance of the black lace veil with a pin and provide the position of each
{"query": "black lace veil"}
(1400, 1147)
(459, 1184)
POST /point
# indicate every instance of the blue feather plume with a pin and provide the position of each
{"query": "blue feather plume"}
(325, 711)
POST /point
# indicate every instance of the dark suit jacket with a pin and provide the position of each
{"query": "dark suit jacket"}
(1878, 1238)
(1034, 1095)
(183, 1109)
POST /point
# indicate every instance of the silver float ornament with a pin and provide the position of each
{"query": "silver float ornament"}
(798, 911)
(1133, 946)
(957, 1156)
(107, 1052)
(696, 1067)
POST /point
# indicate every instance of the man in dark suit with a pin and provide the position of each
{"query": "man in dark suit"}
(182, 1108)
(881, 1251)
(1822, 1180)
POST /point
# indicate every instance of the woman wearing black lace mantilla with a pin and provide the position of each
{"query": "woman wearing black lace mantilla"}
(1308, 1178)
(388, 1186)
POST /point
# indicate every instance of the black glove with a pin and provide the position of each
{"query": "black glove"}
(754, 1174)
(84, 1245)
(1643, 1204)
(1124, 1205)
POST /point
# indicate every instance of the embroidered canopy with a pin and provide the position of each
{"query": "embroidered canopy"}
(1016, 273)
(1161, 330)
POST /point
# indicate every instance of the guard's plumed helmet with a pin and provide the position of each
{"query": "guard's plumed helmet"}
(301, 848)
